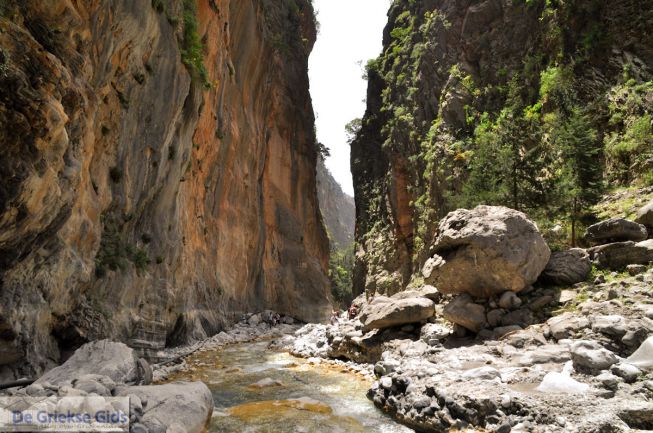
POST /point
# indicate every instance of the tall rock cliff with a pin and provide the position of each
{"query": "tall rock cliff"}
(157, 172)
(337, 208)
(515, 102)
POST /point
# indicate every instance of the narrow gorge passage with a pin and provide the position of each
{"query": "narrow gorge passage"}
(315, 216)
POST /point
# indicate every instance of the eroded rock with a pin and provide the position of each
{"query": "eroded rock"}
(566, 325)
(590, 356)
(464, 312)
(189, 405)
(385, 312)
(103, 358)
(615, 230)
(645, 216)
(567, 267)
(618, 256)
(486, 251)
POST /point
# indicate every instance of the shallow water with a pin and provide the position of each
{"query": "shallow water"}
(307, 399)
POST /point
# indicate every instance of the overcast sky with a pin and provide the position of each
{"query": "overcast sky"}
(351, 31)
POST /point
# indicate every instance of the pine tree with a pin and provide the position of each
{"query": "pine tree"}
(580, 181)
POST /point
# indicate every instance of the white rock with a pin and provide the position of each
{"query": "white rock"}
(589, 355)
(386, 382)
(562, 383)
(643, 357)
(483, 373)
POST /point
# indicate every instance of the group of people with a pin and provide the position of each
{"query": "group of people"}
(352, 312)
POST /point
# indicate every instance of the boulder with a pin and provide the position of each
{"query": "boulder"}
(615, 230)
(619, 255)
(116, 361)
(567, 267)
(566, 325)
(494, 317)
(187, 404)
(384, 312)
(486, 251)
(645, 216)
(612, 325)
(522, 317)
(590, 356)
(464, 312)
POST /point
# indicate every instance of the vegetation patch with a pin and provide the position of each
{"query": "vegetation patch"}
(115, 252)
(341, 266)
(192, 48)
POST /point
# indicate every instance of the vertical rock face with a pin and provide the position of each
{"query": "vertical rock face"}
(337, 208)
(452, 71)
(141, 199)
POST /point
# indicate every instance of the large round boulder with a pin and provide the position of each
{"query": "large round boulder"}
(485, 252)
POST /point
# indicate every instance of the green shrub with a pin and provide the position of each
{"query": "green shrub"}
(115, 252)
(341, 266)
(192, 50)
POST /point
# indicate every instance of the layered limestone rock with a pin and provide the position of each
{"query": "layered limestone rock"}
(145, 200)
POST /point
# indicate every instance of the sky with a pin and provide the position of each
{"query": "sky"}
(351, 33)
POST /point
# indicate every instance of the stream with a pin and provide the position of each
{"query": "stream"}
(261, 390)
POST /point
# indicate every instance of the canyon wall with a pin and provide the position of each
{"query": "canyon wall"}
(530, 104)
(157, 172)
(337, 208)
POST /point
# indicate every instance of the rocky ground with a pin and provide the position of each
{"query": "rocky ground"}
(571, 353)
(570, 373)
(110, 369)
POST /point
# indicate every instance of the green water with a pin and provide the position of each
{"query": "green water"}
(309, 399)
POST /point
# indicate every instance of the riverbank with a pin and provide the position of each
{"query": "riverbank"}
(585, 369)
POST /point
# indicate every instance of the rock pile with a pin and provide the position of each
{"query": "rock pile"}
(620, 242)
(109, 369)
(587, 370)
(506, 365)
